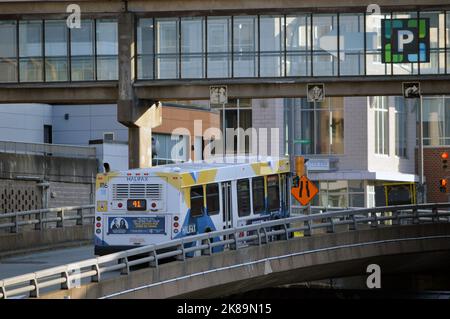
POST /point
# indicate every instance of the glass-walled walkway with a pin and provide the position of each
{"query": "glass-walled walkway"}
(215, 47)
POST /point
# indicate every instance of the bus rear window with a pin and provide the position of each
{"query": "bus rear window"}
(197, 201)
(273, 192)
(212, 199)
(243, 194)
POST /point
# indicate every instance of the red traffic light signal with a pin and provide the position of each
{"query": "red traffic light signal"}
(443, 185)
(444, 157)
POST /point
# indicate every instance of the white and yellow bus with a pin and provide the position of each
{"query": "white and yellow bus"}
(147, 206)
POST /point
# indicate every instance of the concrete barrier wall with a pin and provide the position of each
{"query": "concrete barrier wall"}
(49, 238)
(317, 257)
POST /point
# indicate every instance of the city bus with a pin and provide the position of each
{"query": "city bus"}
(147, 206)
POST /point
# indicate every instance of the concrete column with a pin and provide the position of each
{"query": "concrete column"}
(138, 115)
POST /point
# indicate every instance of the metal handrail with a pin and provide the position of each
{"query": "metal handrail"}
(61, 277)
(40, 217)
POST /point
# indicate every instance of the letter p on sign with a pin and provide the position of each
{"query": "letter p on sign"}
(404, 37)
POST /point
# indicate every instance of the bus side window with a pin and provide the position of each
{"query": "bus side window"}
(273, 193)
(258, 195)
(212, 199)
(243, 194)
(197, 201)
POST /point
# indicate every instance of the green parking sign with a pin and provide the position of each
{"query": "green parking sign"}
(405, 40)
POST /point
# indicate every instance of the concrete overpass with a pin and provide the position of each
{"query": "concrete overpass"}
(397, 250)
(401, 239)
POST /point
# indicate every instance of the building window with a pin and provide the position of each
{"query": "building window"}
(351, 56)
(258, 195)
(342, 194)
(167, 48)
(171, 149)
(212, 199)
(320, 128)
(381, 113)
(436, 120)
(8, 53)
(219, 47)
(107, 50)
(325, 62)
(82, 51)
(400, 127)
(145, 46)
(30, 51)
(298, 45)
(197, 201)
(192, 48)
(245, 46)
(56, 57)
(243, 195)
(271, 45)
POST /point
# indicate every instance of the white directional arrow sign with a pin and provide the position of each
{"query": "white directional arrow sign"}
(348, 42)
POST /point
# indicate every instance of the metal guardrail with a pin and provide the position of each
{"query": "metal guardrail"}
(234, 238)
(40, 217)
(47, 149)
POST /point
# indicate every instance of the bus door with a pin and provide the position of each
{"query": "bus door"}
(227, 206)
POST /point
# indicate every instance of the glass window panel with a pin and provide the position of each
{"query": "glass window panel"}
(437, 44)
(447, 28)
(107, 37)
(400, 127)
(273, 193)
(219, 47)
(245, 46)
(30, 51)
(381, 115)
(243, 194)
(212, 199)
(107, 68)
(167, 48)
(145, 49)
(197, 201)
(56, 62)
(258, 195)
(82, 39)
(298, 45)
(82, 51)
(325, 45)
(192, 47)
(107, 48)
(8, 46)
(374, 65)
(356, 200)
(272, 45)
(351, 46)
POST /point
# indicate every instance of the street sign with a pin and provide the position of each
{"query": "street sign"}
(315, 92)
(405, 40)
(411, 90)
(305, 191)
(218, 95)
(302, 141)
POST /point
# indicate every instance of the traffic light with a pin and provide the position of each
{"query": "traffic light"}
(443, 185)
(444, 158)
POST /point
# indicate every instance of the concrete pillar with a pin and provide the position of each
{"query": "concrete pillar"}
(140, 116)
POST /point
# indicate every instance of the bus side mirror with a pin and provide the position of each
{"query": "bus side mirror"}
(107, 168)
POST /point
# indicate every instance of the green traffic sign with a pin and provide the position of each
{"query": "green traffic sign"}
(302, 141)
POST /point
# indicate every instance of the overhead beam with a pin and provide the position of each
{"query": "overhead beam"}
(67, 93)
(259, 88)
